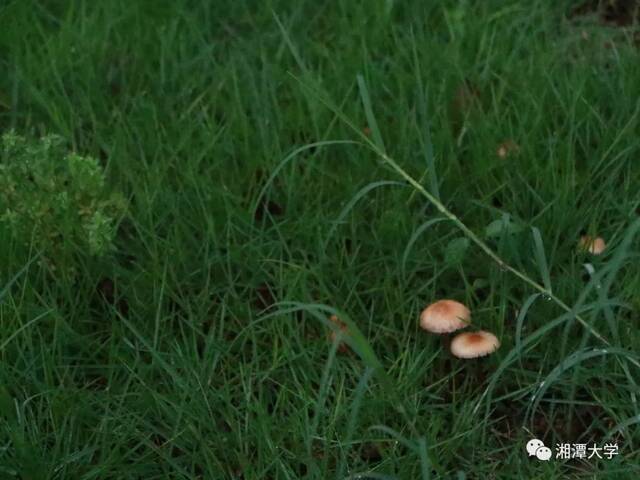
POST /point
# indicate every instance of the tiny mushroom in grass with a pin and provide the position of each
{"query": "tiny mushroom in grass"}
(506, 148)
(474, 344)
(445, 316)
(594, 246)
(333, 335)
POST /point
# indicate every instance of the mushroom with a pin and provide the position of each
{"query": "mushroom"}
(474, 344)
(507, 148)
(445, 316)
(333, 335)
(594, 246)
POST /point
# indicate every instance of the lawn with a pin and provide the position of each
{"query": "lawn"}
(281, 162)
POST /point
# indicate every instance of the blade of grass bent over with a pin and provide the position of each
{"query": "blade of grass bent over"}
(451, 216)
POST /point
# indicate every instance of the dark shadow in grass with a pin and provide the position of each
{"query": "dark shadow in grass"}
(348, 245)
(263, 297)
(370, 453)
(589, 422)
(107, 293)
(126, 235)
(268, 208)
(621, 13)
(496, 202)
(265, 207)
(94, 382)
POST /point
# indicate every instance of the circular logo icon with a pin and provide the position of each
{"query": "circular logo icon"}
(543, 453)
(533, 445)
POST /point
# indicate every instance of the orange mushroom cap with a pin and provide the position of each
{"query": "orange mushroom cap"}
(595, 246)
(445, 316)
(474, 344)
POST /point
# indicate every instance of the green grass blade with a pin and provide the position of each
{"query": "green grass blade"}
(568, 363)
(14, 279)
(289, 158)
(349, 206)
(414, 237)
(541, 259)
(368, 110)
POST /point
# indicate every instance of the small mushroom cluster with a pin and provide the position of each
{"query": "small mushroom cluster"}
(595, 246)
(447, 316)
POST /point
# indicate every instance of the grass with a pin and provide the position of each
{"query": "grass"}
(285, 161)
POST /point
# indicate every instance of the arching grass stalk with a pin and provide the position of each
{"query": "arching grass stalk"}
(483, 246)
(546, 292)
(361, 346)
(379, 150)
(377, 146)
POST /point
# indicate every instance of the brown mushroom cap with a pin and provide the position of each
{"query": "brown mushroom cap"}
(474, 344)
(506, 148)
(595, 246)
(445, 316)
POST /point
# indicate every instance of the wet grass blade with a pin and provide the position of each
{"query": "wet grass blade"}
(541, 259)
(568, 363)
(368, 110)
(349, 206)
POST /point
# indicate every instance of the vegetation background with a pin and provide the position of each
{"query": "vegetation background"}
(198, 347)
